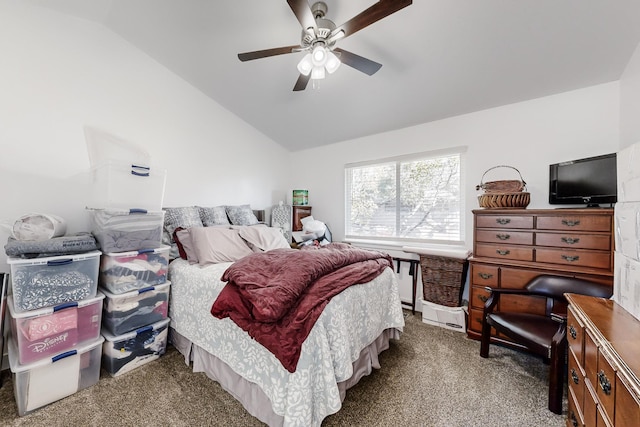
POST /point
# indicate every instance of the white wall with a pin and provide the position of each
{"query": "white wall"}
(59, 73)
(630, 102)
(528, 136)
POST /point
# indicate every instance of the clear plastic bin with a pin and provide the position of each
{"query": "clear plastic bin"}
(123, 353)
(48, 380)
(127, 312)
(42, 333)
(49, 281)
(122, 272)
(127, 230)
(119, 185)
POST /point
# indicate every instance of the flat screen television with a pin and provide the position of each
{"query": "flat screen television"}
(591, 181)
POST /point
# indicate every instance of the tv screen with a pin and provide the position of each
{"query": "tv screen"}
(589, 181)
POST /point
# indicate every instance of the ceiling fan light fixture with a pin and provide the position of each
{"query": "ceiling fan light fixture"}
(332, 62)
(319, 56)
(305, 65)
(317, 73)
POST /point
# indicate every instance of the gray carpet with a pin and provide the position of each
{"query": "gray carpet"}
(430, 377)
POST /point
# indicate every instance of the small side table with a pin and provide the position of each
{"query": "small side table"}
(413, 272)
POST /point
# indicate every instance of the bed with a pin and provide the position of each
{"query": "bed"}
(342, 346)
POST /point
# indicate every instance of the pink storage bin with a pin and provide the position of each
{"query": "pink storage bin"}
(42, 333)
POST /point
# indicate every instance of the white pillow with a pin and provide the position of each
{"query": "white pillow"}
(213, 245)
(262, 238)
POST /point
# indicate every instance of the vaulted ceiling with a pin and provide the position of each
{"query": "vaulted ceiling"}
(440, 58)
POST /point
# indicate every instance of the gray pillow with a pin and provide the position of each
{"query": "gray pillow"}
(241, 215)
(216, 215)
(185, 217)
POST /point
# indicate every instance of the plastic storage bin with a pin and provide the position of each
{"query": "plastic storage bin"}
(48, 380)
(42, 333)
(118, 185)
(123, 353)
(453, 318)
(127, 230)
(45, 282)
(127, 271)
(127, 312)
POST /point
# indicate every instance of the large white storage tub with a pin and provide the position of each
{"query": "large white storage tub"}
(49, 281)
(118, 185)
(48, 380)
(127, 230)
(123, 353)
(42, 333)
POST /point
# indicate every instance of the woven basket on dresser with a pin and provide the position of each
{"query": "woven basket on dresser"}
(442, 279)
(503, 193)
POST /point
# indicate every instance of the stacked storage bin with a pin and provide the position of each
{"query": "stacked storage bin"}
(55, 317)
(133, 266)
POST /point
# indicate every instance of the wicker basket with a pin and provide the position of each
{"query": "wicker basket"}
(503, 194)
(442, 279)
(504, 200)
(504, 186)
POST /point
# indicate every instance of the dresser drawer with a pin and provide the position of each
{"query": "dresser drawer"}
(591, 259)
(479, 296)
(484, 275)
(505, 252)
(627, 406)
(516, 278)
(576, 379)
(504, 221)
(574, 241)
(605, 385)
(574, 222)
(475, 320)
(505, 236)
(575, 337)
(574, 413)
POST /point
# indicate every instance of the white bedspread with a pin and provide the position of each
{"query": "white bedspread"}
(350, 322)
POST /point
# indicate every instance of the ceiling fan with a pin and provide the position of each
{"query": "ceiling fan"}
(319, 36)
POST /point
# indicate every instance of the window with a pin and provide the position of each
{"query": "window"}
(414, 198)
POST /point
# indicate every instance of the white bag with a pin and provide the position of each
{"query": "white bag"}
(38, 226)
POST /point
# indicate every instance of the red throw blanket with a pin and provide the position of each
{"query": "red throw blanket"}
(277, 296)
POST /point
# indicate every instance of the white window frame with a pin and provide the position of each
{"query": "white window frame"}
(404, 241)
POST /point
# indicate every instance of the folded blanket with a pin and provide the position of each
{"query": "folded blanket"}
(65, 245)
(277, 296)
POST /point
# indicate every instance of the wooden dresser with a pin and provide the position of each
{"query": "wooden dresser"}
(512, 246)
(604, 364)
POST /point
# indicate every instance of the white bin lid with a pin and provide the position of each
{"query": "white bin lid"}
(136, 292)
(49, 310)
(163, 248)
(111, 338)
(58, 259)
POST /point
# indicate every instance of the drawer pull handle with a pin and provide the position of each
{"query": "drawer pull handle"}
(570, 223)
(574, 420)
(570, 240)
(503, 236)
(503, 251)
(605, 385)
(573, 332)
(483, 298)
(575, 377)
(570, 258)
(485, 276)
(503, 221)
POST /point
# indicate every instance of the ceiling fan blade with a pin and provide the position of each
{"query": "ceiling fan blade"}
(380, 10)
(302, 82)
(303, 12)
(358, 62)
(257, 54)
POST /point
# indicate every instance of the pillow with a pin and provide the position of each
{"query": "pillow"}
(185, 217)
(216, 215)
(241, 215)
(262, 238)
(213, 245)
(182, 237)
